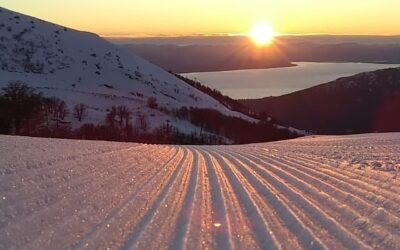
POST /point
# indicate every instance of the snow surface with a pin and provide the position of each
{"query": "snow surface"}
(80, 67)
(317, 192)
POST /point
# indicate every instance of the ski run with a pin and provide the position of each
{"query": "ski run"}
(322, 192)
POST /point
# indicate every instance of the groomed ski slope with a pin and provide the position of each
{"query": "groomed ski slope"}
(310, 193)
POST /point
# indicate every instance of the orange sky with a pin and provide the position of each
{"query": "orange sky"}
(189, 17)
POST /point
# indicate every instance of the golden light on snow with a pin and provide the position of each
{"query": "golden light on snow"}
(262, 34)
(217, 224)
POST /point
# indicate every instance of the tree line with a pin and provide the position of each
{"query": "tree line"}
(23, 111)
(234, 128)
(227, 101)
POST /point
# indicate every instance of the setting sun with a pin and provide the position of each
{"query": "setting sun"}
(262, 34)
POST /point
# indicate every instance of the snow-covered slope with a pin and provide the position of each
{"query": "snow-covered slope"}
(311, 193)
(81, 67)
(362, 103)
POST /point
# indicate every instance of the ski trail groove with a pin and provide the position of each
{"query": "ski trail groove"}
(322, 192)
(146, 219)
(315, 196)
(291, 216)
(221, 228)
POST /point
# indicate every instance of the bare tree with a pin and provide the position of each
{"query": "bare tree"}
(119, 118)
(122, 114)
(167, 128)
(142, 122)
(111, 116)
(80, 111)
(55, 110)
(62, 110)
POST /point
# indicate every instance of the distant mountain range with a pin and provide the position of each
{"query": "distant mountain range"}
(82, 68)
(233, 53)
(320, 39)
(366, 102)
(203, 58)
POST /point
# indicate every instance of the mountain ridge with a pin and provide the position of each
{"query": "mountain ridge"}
(365, 102)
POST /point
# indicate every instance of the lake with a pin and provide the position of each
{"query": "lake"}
(258, 83)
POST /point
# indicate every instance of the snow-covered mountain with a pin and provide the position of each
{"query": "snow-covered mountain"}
(81, 67)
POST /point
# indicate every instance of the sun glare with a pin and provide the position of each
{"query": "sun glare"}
(262, 34)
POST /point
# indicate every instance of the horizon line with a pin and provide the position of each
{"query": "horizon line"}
(145, 36)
